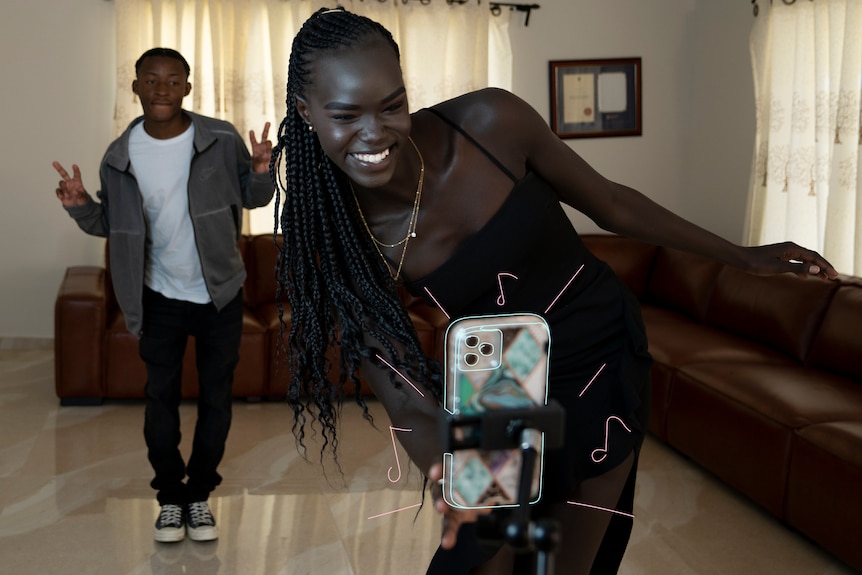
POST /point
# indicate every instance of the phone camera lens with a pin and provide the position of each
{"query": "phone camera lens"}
(486, 349)
(471, 341)
(471, 359)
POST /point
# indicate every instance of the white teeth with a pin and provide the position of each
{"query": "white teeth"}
(372, 158)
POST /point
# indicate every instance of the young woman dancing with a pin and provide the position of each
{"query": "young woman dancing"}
(442, 201)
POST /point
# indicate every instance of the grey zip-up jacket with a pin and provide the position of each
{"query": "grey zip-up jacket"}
(221, 183)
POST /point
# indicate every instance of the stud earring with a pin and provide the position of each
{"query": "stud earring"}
(310, 128)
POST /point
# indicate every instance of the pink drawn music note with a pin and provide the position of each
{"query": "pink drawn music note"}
(392, 431)
(603, 451)
(501, 300)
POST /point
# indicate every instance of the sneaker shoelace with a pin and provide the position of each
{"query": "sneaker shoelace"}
(199, 514)
(171, 515)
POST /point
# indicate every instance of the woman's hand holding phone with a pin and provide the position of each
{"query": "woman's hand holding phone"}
(453, 518)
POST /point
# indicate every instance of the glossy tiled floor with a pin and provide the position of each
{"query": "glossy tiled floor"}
(75, 499)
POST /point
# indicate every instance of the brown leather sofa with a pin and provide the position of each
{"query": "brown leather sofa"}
(757, 379)
(96, 358)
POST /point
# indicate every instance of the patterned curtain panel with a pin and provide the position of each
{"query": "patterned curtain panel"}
(807, 60)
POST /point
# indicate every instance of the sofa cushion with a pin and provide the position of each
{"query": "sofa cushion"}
(682, 282)
(837, 346)
(739, 445)
(676, 340)
(736, 419)
(781, 311)
(790, 395)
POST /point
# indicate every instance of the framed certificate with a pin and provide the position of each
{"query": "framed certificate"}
(596, 98)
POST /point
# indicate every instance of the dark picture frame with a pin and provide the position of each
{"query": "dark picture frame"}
(597, 98)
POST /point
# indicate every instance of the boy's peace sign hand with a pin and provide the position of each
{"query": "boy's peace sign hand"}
(261, 152)
(71, 189)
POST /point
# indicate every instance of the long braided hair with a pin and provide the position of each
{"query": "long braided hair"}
(338, 288)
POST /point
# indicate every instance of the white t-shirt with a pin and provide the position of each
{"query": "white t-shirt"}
(173, 266)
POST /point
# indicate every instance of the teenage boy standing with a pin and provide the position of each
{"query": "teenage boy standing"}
(173, 186)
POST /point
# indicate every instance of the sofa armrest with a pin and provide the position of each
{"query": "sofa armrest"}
(79, 328)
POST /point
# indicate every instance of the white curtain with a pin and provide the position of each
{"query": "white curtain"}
(806, 186)
(238, 51)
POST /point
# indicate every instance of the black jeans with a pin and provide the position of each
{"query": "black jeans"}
(168, 323)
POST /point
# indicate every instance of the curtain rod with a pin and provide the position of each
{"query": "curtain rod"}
(497, 7)
(756, 8)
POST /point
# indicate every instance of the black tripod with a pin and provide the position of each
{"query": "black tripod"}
(520, 429)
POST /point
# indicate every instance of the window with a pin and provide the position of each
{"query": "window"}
(239, 51)
(807, 59)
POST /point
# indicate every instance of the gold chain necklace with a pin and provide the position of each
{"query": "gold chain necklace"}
(411, 225)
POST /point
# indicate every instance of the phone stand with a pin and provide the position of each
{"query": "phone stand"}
(513, 429)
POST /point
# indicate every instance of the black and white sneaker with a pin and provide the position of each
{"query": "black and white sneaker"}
(200, 522)
(170, 526)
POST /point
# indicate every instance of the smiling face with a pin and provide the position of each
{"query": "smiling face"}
(357, 104)
(161, 85)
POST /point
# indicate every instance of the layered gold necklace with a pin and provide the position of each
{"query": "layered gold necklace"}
(411, 224)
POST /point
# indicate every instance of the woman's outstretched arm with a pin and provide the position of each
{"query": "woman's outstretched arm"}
(525, 137)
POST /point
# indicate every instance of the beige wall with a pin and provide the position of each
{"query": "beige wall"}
(56, 76)
(57, 69)
(698, 127)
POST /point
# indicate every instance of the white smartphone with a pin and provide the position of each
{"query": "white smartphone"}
(492, 362)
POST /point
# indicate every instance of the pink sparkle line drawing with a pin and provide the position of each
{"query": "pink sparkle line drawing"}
(592, 380)
(396, 511)
(400, 375)
(392, 431)
(565, 288)
(501, 300)
(603, 451)
(601, 508)
(437, 302)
